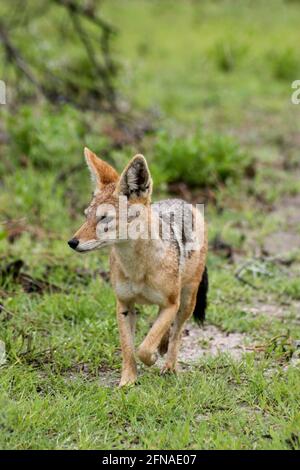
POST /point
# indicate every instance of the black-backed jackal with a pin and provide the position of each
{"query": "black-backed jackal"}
(154, 259)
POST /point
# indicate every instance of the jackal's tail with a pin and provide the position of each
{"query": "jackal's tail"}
(201, 302)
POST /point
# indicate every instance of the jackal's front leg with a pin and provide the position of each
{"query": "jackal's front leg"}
(126, 323)
(147, 351)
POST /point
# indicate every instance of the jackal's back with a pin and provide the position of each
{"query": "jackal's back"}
(179, 227)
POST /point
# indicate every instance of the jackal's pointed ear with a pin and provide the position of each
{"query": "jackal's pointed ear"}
(135, 181)
(102, 173)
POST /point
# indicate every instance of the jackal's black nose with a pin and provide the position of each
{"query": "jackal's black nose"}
(73, 243)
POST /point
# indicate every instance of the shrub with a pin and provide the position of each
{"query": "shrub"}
(292, 289)
(200, 160)
(50, 138)
(284, 64)
(228, 54)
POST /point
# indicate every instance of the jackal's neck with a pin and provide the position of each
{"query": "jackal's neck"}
(135, 255)
(133, 250)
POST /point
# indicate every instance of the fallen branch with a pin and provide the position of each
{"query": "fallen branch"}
(239, 277)
(255, 268)
(13, 270)
(9, 313)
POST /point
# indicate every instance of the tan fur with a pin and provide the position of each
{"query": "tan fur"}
(102, 171)
(106, 195)
(144, 272)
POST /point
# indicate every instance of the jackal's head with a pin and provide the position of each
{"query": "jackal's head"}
(107, 214)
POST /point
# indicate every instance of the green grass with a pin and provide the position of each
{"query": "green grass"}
(58, 389)
(184, 74)
(219, 405)
(222, 76)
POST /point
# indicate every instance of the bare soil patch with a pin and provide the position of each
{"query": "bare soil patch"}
(272, 310)
(210, 341)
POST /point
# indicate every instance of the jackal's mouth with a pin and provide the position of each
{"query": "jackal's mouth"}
(92, 245)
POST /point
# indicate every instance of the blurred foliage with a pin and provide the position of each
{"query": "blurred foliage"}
(292, 288)
(285, 64)
(201, 159)
(47, 139)
(228, 54)
(223, 72)
(37, 66)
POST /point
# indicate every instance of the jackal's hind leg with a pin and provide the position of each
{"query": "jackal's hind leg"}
(126, 322)
(187, 304)
(164, 343)
(147, 351)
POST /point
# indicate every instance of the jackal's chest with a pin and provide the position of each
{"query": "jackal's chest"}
(138, 292)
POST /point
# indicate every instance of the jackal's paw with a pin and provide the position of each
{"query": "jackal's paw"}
(148, 358)
(127, 380)
(168, 369)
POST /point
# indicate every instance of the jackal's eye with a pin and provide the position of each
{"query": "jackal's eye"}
(105, 219)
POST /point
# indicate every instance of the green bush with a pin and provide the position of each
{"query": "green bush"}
(285, 64)
(200, 160)
(49, 138)
(292, 288)
(228, 54)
